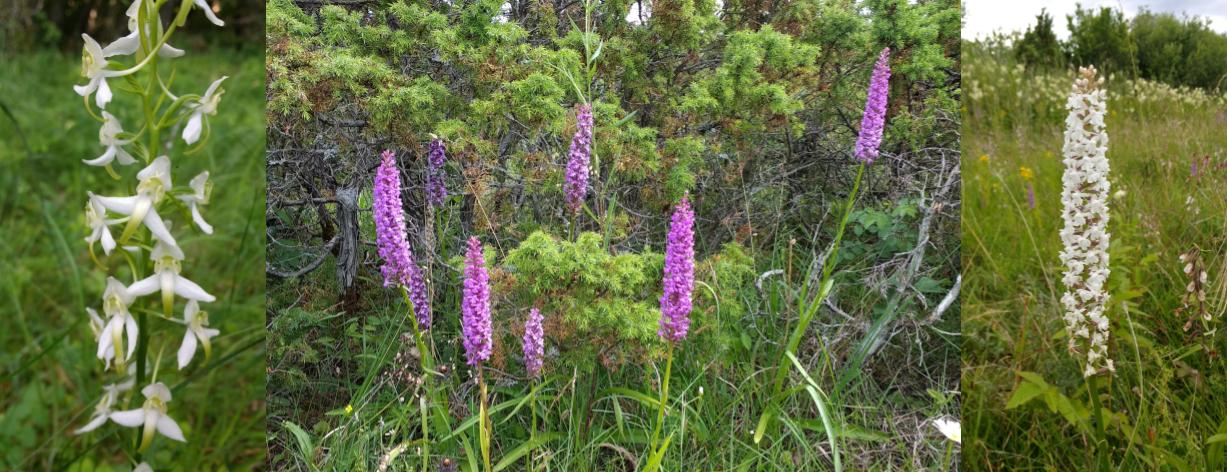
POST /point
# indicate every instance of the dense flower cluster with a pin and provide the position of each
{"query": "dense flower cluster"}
(436, 189)
(146, 233)
(575, 188)
(1084, 198)
(475, 307)
(675, 303)
(874, 118)
(398, 267)
(534, 343)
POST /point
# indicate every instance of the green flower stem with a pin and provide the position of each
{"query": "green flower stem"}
(664, 398)
(427, 374)
(828, 267)
(1101, 430)
(484, 422)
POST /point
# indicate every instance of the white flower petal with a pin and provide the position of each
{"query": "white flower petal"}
(170, 52)
(121, 205)
(208, 11)
(191, 132)
(85, 90)
(108, 242)
(104, 94)
(155, 225)
(130, 324)
(143, 467)
(123, 46)
(199, 220)
(170, 429)
(129, 418)
(106, 158)
(188, 349)
(93, 424)
(145, 286)
(187, 289)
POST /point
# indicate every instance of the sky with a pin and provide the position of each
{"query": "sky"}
(982, 17)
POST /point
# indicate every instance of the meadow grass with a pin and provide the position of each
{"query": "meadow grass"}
(1165, 397)
(51, 379)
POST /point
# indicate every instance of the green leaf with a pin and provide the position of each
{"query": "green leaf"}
(1025, 392)
(524, 448)
(654, 462)
(305, 445)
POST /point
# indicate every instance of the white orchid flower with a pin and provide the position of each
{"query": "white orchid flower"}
(110, 395)
(115, 302)
(152, 415)
(206, 106)
(132, 42)
(197, 322)
(108, 135)
(94, 68)
(208, 11)
(143, 467)
(201, 189)
(154, 181)
(166, 267)
(950, 429)
(96, 325)
(99, 226)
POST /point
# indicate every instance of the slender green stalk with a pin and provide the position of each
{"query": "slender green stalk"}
(664, 399)
(484, 422)
(1101, 431)
(532, 432)
(807, 314)
(427, 363)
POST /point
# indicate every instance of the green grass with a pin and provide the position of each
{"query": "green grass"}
(1165, 398)
(50, 379)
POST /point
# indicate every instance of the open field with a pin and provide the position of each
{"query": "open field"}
(1026, 403)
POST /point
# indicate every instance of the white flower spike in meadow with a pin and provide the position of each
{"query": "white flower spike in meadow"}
(206, 106)
(108, 136)
(152, 256)
(152, 416)
(197, 329)
(1085, 232)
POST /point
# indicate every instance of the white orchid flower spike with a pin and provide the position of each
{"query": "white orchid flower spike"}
(108, 135)
(202, 188)
(206, 106)
(166, 267)
(115, 302)
(132, 42)
(152, 415)
(154, 181)
(197, 329)
(110, 395)
(94, 68)
(99, 226)
(208, 11)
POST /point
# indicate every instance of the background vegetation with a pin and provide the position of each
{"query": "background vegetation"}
(49, 377)
(1178, 51)
(1025, 400)
(749, 107)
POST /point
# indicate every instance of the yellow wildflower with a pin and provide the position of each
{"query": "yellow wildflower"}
(984, 158)
(349, 409)
(1025, 173)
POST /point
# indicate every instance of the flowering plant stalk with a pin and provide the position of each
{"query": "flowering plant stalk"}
(1084, 199)
(534, 351)
(866, 150)
(476, 328)
(675, 301)
(143, 212)
(400, 270)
